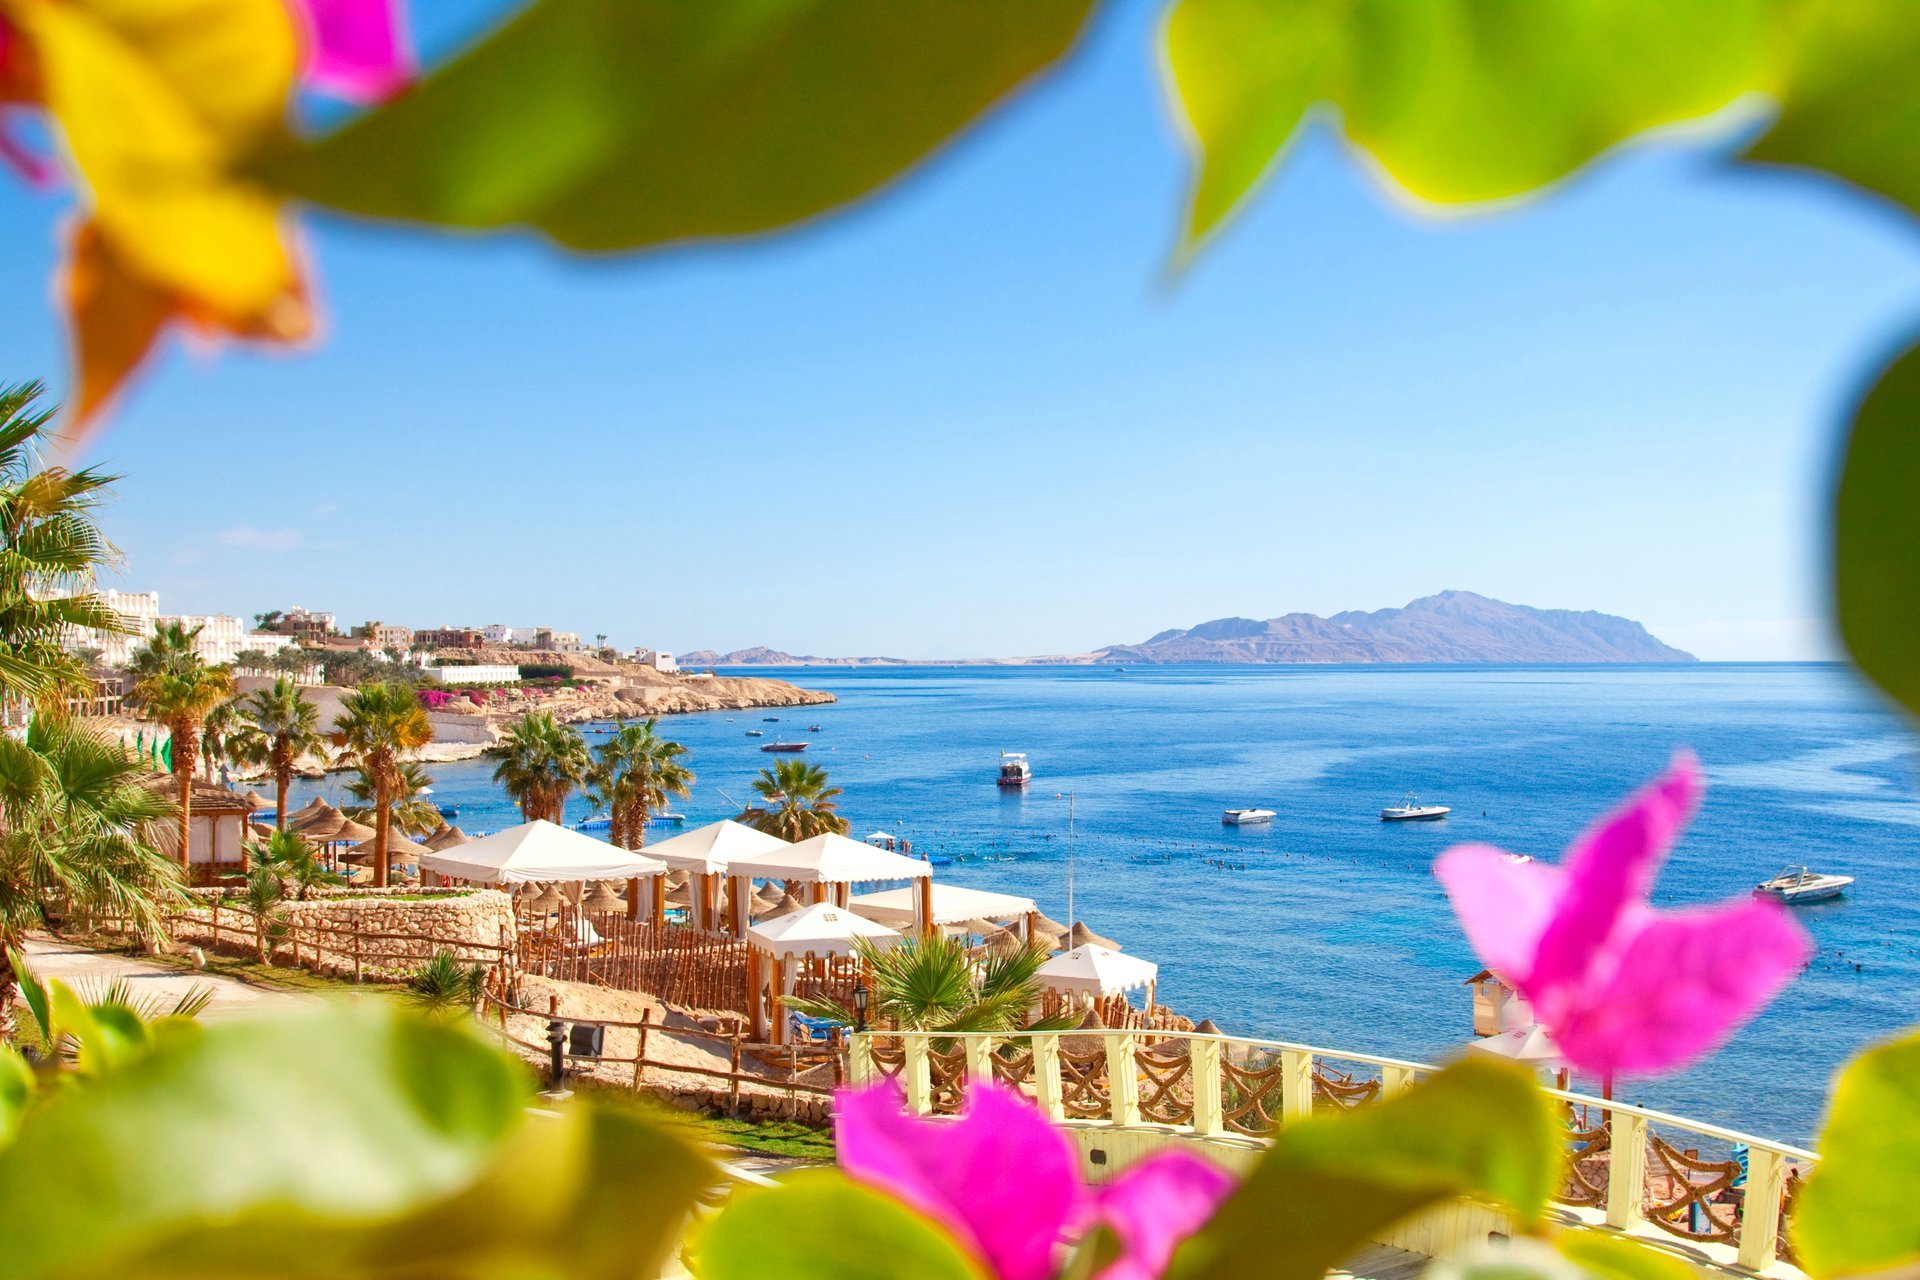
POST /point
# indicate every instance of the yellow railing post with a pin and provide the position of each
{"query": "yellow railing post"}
(1123, 1079)
(918, 1075)
(1626, 1169)
(860, 1058)
(1203, 1059)
(979, 1060)
(1395, 1080)
(1046, 1075)
(1296, 1086)
(1760, 1212)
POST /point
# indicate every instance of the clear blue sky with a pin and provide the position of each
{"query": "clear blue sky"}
(968, 419)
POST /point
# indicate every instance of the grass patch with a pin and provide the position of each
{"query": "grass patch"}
(273, 977)
(787, 1138)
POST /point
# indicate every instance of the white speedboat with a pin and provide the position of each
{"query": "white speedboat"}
(1246, 817)
(1414, 811)
(1797, 884)
(1013, 769)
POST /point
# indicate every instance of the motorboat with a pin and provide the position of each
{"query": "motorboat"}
(667, 818)
(1246, 817)
(1518, 859)
(447, 811)
(1797, 884)
(1414, 811)
(813, 728)
(1013, 769)
(785, 747)
(755, 733)
(769, 719)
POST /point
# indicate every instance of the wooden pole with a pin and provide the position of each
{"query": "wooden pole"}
(923, 907)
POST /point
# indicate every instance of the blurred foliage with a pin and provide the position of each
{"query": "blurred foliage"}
(389, 1144)
(1329, 1186)
(1856, 1214)
(821, 1225)
(619, 124)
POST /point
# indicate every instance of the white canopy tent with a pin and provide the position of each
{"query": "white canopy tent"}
(1531, 1045)
(705, 853)
(1095, 971)
(832, 864)
(952, 904)
(539, 852)
(808, 937)
(821, 929)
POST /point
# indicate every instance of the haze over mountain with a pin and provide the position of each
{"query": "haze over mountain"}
(1454, 626)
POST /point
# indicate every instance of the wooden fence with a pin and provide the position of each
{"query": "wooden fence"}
(681, 966)
(769, 1069)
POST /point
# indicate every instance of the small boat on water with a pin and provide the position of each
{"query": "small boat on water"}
(667, 818)
(769, 719)
(755, 733)
(1797, 884)
(448, 811)
(1414, 811)
(1246, 817)
(599, 822)
(1013, 769)
(813, 728)
(1518, 859)
(785, 747)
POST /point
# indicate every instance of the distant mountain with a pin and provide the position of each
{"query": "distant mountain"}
(1454, 626)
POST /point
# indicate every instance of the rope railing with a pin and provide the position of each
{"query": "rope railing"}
(1622, 1162)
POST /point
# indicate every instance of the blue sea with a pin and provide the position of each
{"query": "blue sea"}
(1327, 927)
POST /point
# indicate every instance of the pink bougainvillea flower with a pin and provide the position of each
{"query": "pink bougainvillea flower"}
(1622, 986)
(356, 49)
(1007, 1184)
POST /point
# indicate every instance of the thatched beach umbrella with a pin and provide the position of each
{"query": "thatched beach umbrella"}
(1085, 937)
(1006, 943)
(1086, 1044)
(1046, 941)
(255, 800)
(604, 898)
(1041, 920)
(679, 896)
(676, 879)
(445, 838)
(315, 815)
(351, 832)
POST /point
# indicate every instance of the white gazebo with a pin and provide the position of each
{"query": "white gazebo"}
(951, 904)
(800, 938)
(704, 854)
(832, 864)
(541, 852)
(1095, 971)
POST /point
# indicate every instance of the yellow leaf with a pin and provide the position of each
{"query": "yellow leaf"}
(155, 98)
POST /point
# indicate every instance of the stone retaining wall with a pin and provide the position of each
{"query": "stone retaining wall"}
(373, 933)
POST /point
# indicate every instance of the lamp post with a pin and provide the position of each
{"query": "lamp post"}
(860, 1006)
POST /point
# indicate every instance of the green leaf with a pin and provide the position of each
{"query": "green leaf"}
(1851, 103)
(1856, 1212)
(1876, 526)
(370, 1116)
(1459, 101)
(34, 993)
(821, 1225)
(622, 124)
(17, 1087)
(1618, 1258)
(1332, 1183)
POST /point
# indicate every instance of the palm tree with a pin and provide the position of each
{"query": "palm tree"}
(74, 1032)
(933, 984)
(443, 985)
(796, 802)
(50, 550)
(78, 827)
(542, 761)
(378, 723)
(174, 685)
(287, 855)
(635, 772)
(277, 726)
(216, 736)
(263, 893)
(410, 811)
